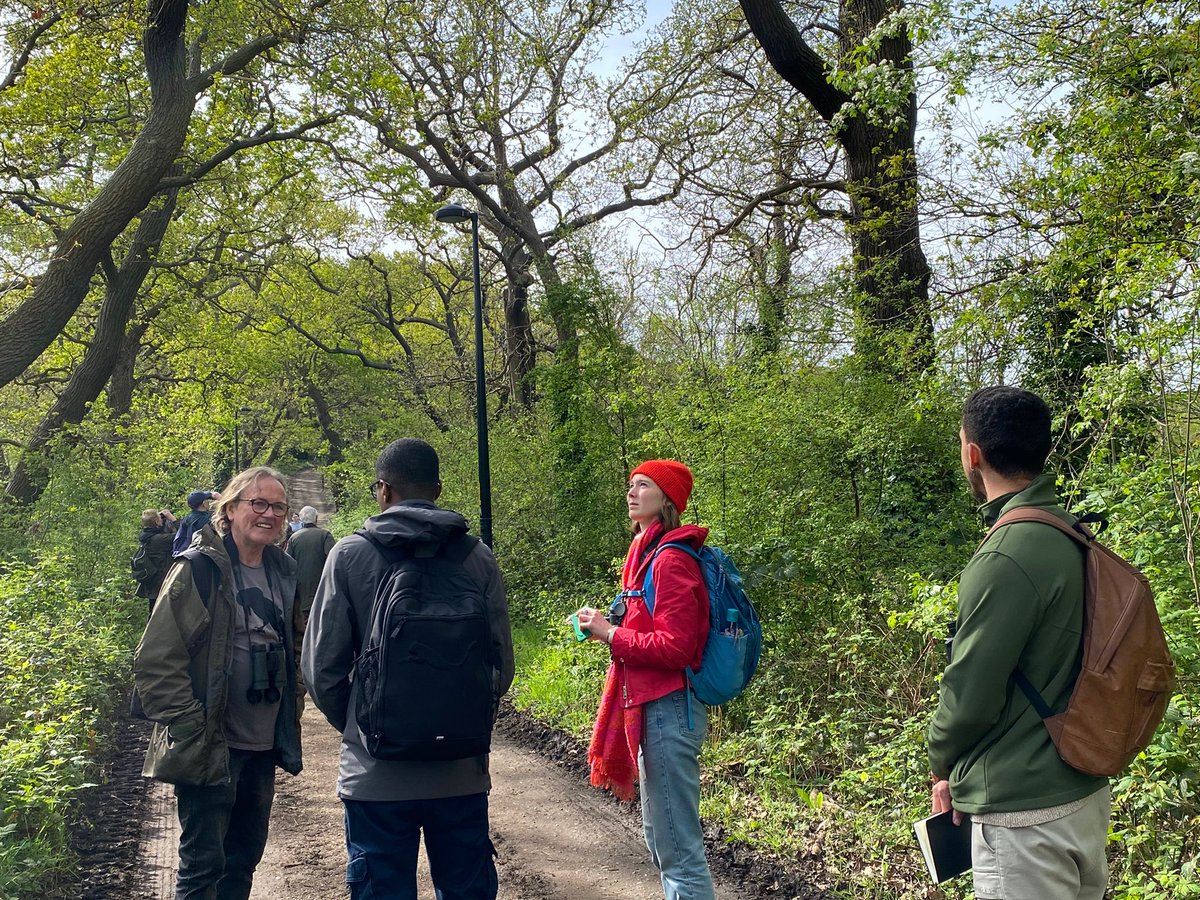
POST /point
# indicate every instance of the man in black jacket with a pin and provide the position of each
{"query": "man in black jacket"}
(390, 803)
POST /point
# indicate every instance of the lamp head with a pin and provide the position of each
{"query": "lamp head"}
(454, 213)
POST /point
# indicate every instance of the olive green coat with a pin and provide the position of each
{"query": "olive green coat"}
(182, 663)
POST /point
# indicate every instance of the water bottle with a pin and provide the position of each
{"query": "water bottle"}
(731, 620)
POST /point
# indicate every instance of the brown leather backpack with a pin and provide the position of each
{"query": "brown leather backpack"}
(1127, 673)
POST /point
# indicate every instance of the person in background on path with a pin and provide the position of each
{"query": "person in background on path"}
(309, 547)
(216, 670)
(649, 727)
(157, 536)
(293, 526)
(389, 803)
(199, 516)
(1038, 826)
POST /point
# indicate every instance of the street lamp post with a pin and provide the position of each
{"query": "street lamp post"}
(456, 214)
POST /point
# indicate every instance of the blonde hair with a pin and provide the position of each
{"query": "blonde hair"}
(234, 490)
(151, 518)
(668, 515)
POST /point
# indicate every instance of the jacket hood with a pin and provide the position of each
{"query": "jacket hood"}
(414, 521)
(692, 535)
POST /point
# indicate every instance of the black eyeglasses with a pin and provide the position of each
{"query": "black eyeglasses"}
(260, 506)
(375, 488)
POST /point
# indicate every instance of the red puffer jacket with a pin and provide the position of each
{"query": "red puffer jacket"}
(651, 652)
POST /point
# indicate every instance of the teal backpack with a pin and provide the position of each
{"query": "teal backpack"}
(734, 631)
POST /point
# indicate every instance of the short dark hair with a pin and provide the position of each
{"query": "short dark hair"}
(1011, 427)
(410, 466)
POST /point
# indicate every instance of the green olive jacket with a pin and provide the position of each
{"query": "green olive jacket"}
(181, 668)
(1020, 606)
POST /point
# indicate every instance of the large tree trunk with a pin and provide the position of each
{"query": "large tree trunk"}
(34, 324)
(121, 384)
(519, 350)
(337, 446)
(30, 474)
(890, 269)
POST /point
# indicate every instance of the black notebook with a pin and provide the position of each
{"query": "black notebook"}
(945, 846)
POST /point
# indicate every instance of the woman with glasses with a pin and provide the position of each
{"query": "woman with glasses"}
(216, 671)
(649, 727)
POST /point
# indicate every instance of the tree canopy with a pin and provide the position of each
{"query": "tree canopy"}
(778, 241)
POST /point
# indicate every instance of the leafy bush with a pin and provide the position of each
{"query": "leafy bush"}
(560, 679)
(64, 657)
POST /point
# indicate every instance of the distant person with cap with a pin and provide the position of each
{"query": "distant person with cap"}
(309, 547)
(200, 516)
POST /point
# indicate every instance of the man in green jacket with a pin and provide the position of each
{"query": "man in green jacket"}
(216, 670)
(1039, 827)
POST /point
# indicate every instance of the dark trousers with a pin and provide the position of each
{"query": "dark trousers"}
(382, 837)
(224, 829)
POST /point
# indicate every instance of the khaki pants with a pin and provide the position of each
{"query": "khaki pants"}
(1059, 860)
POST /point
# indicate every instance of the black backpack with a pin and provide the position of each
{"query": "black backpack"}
(143, 568)
(426, 676)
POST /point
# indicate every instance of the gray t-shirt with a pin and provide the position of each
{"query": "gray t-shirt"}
(251, 726)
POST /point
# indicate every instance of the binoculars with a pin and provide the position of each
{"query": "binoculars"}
(616, 612)
(266, 666)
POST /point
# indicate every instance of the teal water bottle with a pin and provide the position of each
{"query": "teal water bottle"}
(731, 618)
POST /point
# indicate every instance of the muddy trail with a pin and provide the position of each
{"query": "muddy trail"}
(556, 837)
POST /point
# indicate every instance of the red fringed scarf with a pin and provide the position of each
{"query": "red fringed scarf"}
(615, 741)
(617, 734)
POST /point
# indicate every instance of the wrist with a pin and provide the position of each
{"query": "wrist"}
(608, 637)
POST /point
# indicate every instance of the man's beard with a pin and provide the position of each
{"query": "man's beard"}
(975, 480)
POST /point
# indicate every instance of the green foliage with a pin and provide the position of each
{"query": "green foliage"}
(64, 656)
(299, 283)
(560, 678)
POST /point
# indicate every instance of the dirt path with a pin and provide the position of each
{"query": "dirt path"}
(555, 836)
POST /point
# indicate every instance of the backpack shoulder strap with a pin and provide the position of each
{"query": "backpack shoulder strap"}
(1079, 533)
(1081, 536)
(457, 548)
(648, 581)
(679, 545)
(205, 574)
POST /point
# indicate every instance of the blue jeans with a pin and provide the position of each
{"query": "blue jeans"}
(223, 829)
(382, 837)
(669, 766)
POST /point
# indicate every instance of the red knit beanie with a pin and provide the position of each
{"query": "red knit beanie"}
(673, 478)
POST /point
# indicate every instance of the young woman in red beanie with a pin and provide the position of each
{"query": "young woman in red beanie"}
(649, 727)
